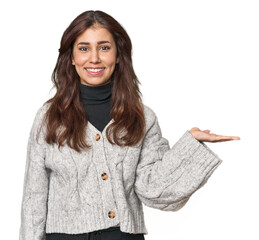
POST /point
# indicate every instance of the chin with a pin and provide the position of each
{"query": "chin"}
(94, 83)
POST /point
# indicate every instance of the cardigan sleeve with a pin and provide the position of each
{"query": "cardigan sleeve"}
(167, 177)
(35, 186)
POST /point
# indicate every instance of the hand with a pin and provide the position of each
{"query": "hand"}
(206, 136)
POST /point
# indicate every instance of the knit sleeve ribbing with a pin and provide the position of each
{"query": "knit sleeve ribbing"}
(167, 177)
(35, 186)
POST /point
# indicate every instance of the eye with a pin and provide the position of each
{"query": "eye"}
(83, 48)
(105, 48)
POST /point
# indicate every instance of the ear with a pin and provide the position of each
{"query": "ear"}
(117, 60)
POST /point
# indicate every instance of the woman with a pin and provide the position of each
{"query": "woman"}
(95, 151)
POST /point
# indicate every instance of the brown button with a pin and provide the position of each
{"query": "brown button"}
(97, 136)
(104, 176)
(111, 214)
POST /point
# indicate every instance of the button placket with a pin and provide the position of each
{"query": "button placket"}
(106, 190)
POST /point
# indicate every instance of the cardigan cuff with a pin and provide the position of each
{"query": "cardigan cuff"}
(190, 157)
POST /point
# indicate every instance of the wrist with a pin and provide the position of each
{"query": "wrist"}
(191, 132)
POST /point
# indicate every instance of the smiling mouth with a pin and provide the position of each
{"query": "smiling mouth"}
(94, 70)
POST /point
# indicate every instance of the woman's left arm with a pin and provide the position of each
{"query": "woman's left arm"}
(167, 177)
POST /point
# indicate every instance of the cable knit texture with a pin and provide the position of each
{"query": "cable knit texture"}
(64, 191)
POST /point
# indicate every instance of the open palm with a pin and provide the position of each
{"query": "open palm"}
(206, 136)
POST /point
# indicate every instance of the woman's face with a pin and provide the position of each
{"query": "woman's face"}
(94, 56)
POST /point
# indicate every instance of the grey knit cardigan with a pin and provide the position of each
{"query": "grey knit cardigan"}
(66, 192)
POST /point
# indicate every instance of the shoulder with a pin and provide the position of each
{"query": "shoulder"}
(42, 109)
(149, 112)
(41, 112)
(38, 119)
(150, 116)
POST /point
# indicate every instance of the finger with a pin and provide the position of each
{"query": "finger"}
(221, 138)
(230, 137)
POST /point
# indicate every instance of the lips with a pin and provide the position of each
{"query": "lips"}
(94, 70)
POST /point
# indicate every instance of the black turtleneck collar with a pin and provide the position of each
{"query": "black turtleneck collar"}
(97, 103)
(94, 95)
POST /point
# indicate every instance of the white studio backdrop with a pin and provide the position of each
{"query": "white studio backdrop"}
(197, 62)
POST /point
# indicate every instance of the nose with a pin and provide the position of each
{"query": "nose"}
(94, 58)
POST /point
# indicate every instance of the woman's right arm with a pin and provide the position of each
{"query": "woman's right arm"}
(35, 186)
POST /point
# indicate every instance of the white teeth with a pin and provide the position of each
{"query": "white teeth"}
(94, 70)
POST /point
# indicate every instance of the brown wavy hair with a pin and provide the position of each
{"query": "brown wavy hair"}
(66, 110)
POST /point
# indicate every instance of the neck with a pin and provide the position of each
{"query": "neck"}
(96, 94)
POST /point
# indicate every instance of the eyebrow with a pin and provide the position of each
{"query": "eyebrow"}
(87, 43)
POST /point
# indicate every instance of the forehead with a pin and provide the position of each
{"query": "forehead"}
(95, 34)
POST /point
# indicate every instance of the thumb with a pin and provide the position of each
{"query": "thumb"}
(207, 131)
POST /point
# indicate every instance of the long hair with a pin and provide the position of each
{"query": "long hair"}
(66, 110)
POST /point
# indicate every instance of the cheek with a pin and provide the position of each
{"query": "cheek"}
(110, 60)
(80, 59)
